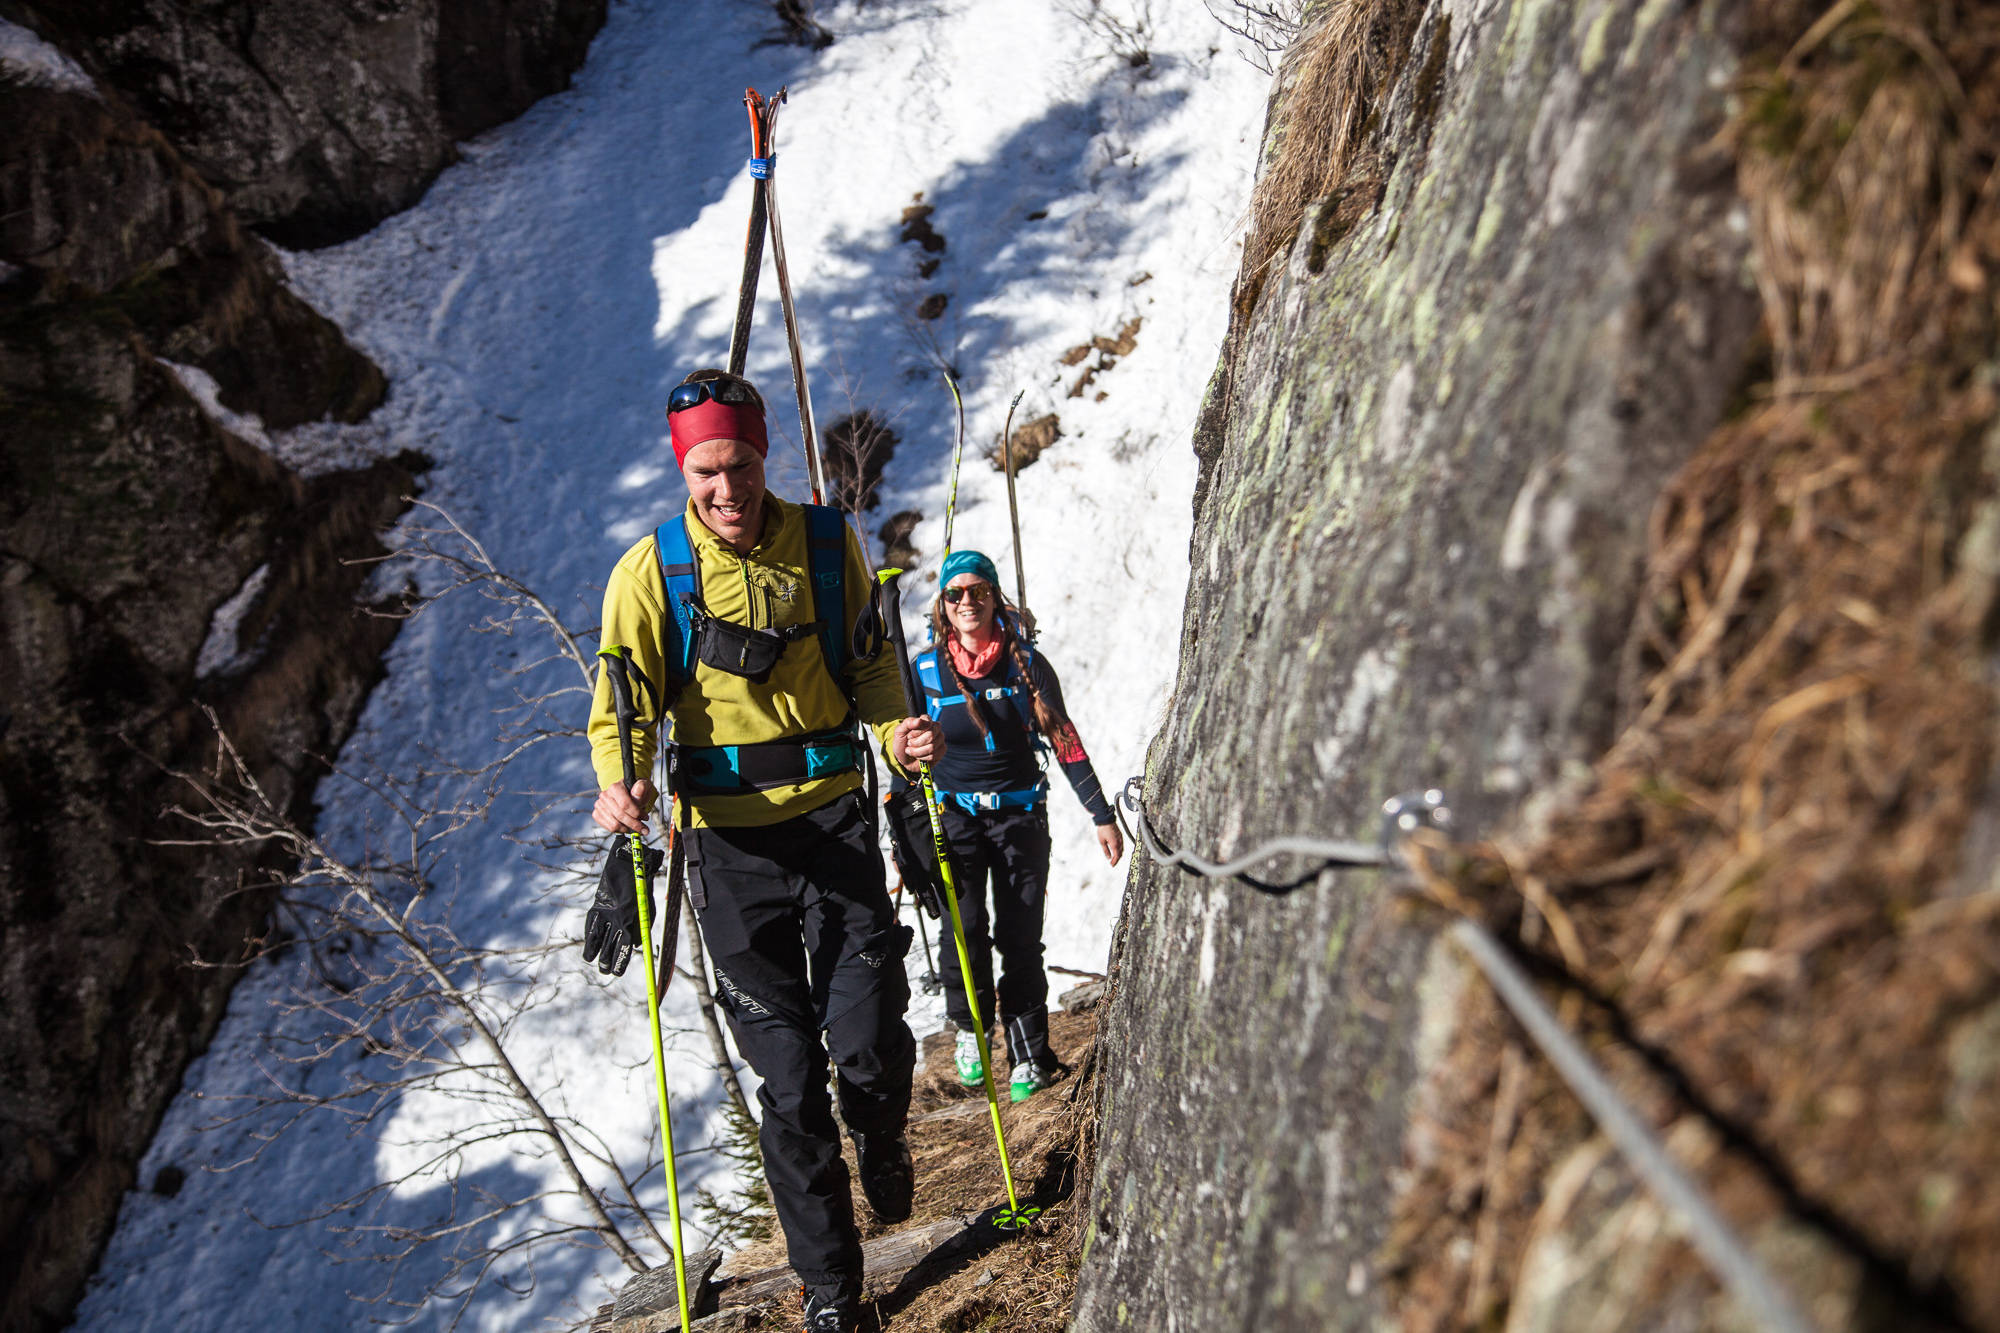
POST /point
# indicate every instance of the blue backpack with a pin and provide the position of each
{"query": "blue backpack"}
(931, 678)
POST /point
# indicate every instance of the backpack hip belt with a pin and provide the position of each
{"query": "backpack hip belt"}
(730, 770)
(972, 802)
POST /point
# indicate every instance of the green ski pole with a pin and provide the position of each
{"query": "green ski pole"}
(1013, 1217)
(618, 665)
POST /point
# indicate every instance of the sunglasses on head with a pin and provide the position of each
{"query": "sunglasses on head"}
(978, 592)
(731, 392)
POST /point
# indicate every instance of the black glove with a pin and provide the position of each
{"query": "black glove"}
(611, 928)
(914, 851)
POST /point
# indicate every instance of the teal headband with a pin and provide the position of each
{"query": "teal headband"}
(968, 562)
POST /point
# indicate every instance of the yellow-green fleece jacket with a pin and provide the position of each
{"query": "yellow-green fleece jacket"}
(766, 589)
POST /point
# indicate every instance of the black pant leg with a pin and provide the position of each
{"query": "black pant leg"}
(971, 856)
(857, 947)
(753, 921)
(1019, 856)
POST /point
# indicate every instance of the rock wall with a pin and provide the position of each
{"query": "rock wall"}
(153, 563)
(317, 120)
(127, 518)
(1429, 457)
(1610, 440)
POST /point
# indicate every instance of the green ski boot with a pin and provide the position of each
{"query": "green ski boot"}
(970, 1072)
(1029, 1079)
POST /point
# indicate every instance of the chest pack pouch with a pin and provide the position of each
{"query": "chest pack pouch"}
(739, 649)
(691, 636)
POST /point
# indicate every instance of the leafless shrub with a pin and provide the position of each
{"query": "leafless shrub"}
(1269, 27)
(398, 1009)
(857, 447)
(897, 552)
(799, 26)
(1126, 31)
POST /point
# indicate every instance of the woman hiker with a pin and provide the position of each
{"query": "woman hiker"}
(999, 702)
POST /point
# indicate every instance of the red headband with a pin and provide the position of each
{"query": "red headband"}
(717, 421)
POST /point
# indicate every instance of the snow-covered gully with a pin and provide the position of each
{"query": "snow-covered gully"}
(1043, 203)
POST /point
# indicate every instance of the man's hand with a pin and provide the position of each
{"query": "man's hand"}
(621, 811)
(1112, 841)
(918, 741)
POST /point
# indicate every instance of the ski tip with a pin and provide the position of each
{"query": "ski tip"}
(885, 575)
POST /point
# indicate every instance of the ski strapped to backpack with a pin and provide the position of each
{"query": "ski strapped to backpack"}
(691, 636)
(957, 456)
(1013, 505)
(753, 239)
(765, 169)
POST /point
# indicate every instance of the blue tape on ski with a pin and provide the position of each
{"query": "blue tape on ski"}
(761, 167)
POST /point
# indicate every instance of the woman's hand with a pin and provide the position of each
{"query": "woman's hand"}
(621, 811)
(918, 741)
(1112, 841)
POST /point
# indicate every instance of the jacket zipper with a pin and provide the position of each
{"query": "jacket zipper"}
(749, 591)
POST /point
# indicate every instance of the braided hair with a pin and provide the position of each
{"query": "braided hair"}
(1050, 722)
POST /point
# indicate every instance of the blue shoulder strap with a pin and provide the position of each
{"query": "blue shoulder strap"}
(681, 573)
(826, 566)
(928, 679)
(1023, 709)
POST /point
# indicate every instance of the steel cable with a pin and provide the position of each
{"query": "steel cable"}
(1759, 1294)
(1333, 855)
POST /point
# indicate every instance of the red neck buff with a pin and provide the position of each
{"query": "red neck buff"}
(717, 421)
(973, 664)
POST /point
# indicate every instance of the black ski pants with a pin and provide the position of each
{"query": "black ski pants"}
(1008, 850)
(799, 925)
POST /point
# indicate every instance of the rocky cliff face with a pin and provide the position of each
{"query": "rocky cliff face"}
(129, 517)
(153, 563)
(318, 120)
(1474, 479)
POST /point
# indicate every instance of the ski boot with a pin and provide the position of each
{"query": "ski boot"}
(966, 1055)
(1028, 1079)
(833, 1309)
(888, 1177)
(1034, 1065)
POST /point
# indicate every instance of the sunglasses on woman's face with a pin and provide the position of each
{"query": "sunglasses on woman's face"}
(685, 396)
(978, 592)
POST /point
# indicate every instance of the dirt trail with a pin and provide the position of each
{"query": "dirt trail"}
(946, 1268)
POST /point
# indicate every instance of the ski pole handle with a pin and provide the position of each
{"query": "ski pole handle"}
(616, 665)
(892, 612)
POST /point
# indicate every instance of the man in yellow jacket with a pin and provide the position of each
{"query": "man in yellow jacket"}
(783, 866)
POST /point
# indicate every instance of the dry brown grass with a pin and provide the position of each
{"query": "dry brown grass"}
(1333, 84)
(1765, 875)
(1030, 442)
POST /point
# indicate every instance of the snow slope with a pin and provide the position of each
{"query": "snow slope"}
(532, 311)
